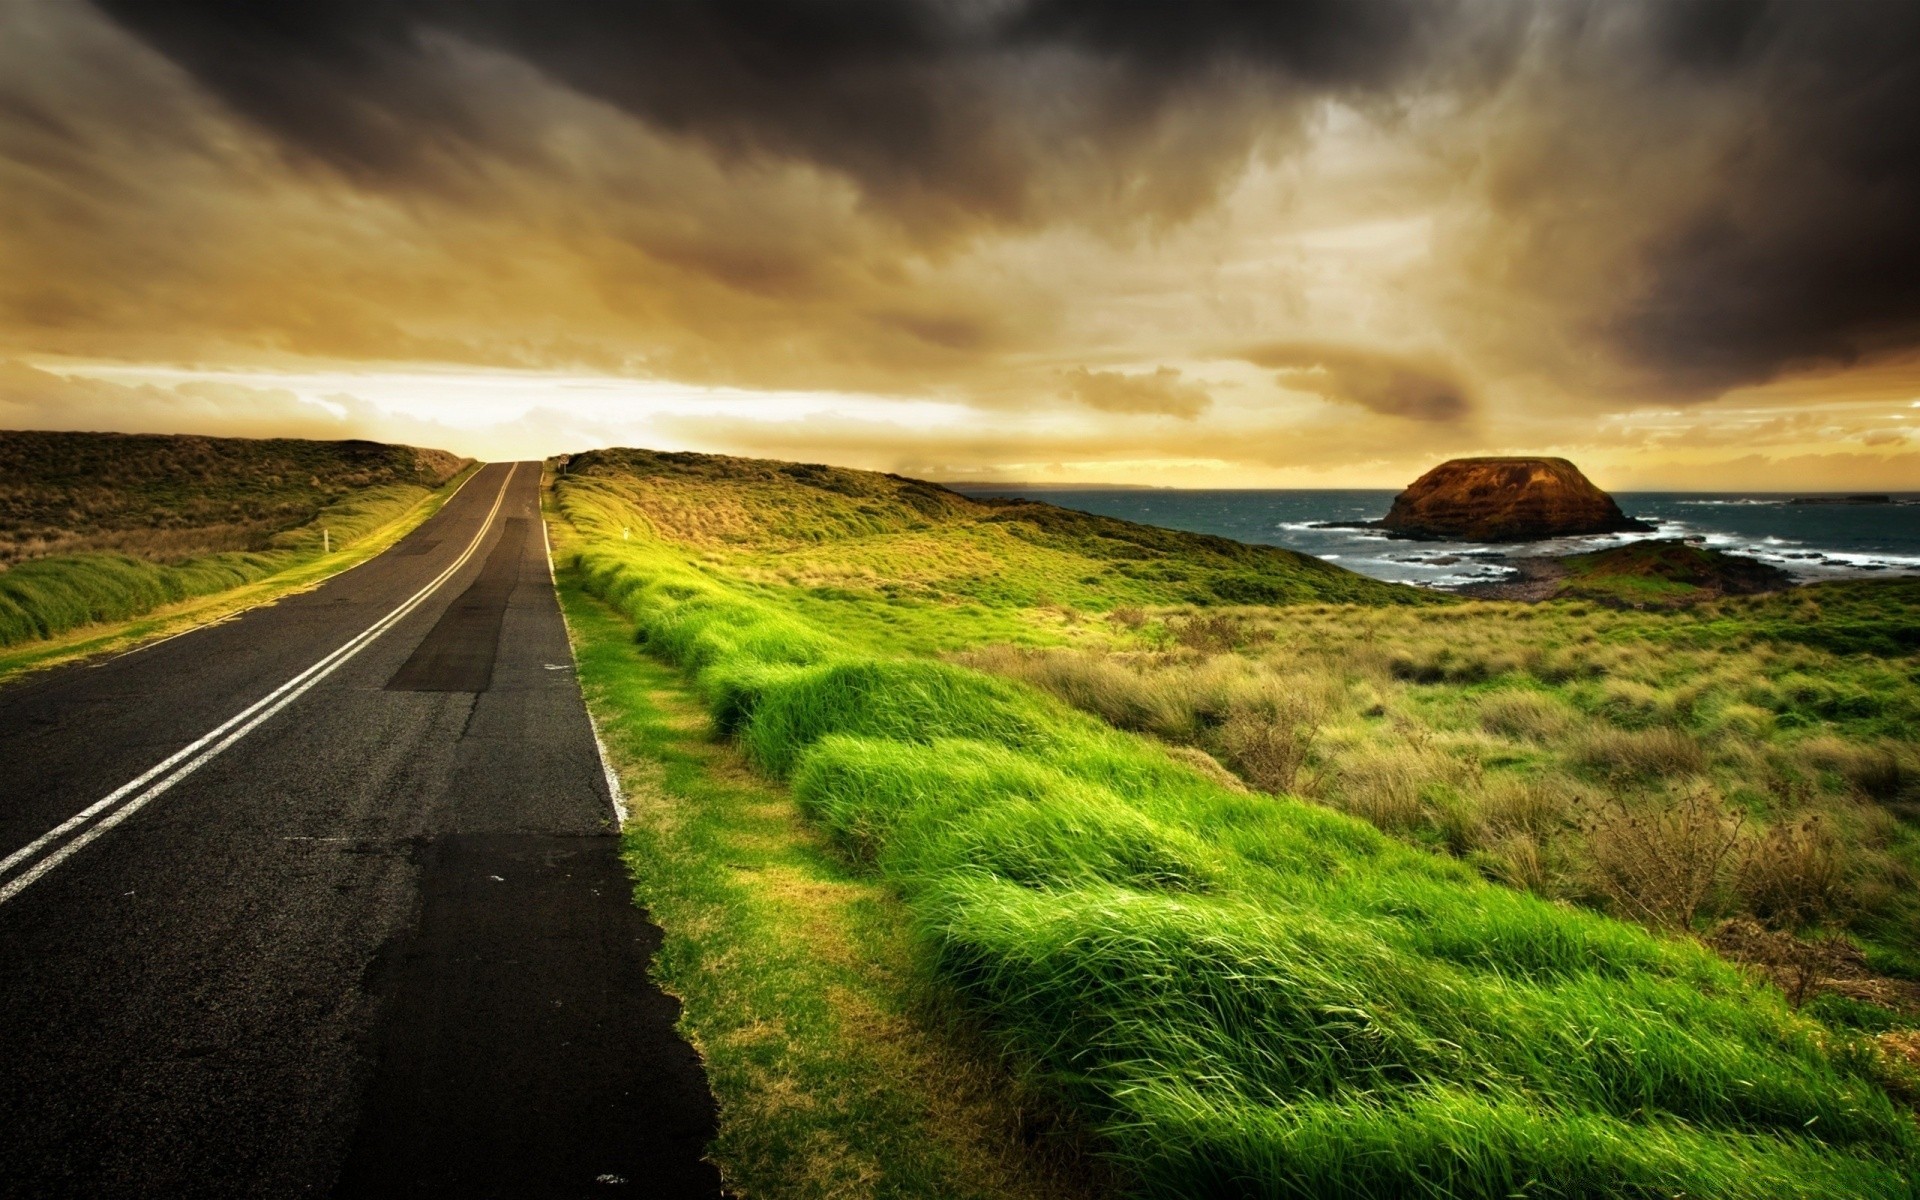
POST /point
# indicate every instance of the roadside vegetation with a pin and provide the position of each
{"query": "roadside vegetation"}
(836, 1075)
(1238, 991)
(107, 527)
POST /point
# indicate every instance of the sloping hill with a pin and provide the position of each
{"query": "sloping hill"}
(165, 497)
(827, 527)
(99, 527)
(1239, 994)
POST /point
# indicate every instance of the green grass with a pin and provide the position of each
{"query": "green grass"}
(835, 1076)
(1242, 994)
(1664, 573)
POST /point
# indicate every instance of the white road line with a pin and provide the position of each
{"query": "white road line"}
(197, 753)
(614, 792)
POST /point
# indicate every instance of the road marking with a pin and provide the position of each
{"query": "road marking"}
(128, 799)
(614, 792)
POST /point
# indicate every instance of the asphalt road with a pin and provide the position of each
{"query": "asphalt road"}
(381, 944)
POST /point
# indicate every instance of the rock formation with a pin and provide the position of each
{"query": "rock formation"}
(1505, 500)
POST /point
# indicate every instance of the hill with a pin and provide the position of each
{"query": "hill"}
(99, 527)
(827, 532)
(166, 498)
(1236, 992)
(1666, 572)
(1504, 500)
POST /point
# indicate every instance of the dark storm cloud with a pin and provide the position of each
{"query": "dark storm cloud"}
(973, 107)
(1784, 235)
(1389, 384)
(1689, 194)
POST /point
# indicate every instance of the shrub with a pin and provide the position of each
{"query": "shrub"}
(1794, 874)
(1214, 633)
(1128, 616)
(1659, 861)
(1269, 751)
(1797, 966)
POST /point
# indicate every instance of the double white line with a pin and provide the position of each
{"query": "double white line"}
(62, 842)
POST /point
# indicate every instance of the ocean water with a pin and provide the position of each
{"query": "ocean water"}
(1826, 541)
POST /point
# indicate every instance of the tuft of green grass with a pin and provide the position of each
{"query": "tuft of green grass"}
(1242, 994)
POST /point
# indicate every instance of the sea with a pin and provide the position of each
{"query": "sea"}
(1811, 541)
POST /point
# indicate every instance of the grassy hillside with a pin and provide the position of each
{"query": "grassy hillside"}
(106, 527)
(1242, 993)
(890, 561)
(1680, 768)
(167, 498)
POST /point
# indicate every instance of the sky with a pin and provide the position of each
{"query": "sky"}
(1307, 243)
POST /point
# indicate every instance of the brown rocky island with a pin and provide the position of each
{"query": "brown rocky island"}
(1505, 500)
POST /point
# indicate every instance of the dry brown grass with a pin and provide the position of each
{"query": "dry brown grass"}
(1643, 754)
(1880, 771)
(1798, 966)
(1660, 862)
(1528, 715)
(1794, 874)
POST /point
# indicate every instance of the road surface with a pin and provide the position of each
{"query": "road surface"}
(364, 931)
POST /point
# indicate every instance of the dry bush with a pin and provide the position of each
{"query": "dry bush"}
(1216, 633)
(1128, 616)
(1269, 748)
(1532, 716)
(1798, 966)
(1660, 862)
(1794, 874)
(1641, 753)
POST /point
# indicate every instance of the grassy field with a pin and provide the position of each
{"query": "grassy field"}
(1237, 993)
(1678, 768)
(108, 527)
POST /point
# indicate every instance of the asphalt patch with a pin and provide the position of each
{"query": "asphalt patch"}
(524, 1052)
(457, 654)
